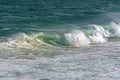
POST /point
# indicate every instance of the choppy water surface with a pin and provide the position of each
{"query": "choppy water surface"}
(60, 40)
(100, 62)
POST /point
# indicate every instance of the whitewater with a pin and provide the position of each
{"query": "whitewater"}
(74, 55)
(60, 40)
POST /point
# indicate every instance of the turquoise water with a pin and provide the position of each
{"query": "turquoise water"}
(59, 40)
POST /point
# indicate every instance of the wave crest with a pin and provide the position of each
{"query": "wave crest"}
(76, 38)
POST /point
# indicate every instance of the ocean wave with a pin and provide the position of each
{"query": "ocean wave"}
(75, 38)
(99, 34)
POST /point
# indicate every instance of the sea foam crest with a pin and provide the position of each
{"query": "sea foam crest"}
(116, 29)
(76, 38)
(18, 39)
(21, 40)
(99, 34)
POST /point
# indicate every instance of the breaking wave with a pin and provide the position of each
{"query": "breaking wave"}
(99, 34)
(75, 38)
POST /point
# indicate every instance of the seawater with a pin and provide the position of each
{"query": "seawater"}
(59, 40)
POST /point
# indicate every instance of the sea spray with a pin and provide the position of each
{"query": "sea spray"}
(98, 34)
(18, 39)
(97, 38)
(115, 29)
(75, 38)
(101, 30)
(24, 40)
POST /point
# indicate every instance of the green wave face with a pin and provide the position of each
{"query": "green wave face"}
(49, 39)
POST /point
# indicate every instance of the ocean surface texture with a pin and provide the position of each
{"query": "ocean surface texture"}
(59, 39)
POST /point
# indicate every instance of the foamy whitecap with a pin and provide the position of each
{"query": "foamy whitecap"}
(101, 30)
(76, 38)
(97, 38)
(116, 29)
(99, 34)
(24, 40)
(18, 39)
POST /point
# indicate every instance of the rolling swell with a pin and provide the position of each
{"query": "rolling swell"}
(74, 38)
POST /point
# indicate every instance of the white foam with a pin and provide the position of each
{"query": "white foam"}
(101, 30)
(18, 39)
(116, 29)
(76, 38)
(97, 38)
(99, 34)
